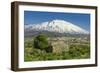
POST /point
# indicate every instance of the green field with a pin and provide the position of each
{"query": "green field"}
(64, 48)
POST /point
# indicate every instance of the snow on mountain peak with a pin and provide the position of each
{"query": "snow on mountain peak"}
(57, 25)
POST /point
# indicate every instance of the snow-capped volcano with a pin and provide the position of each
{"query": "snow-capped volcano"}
(59, 26)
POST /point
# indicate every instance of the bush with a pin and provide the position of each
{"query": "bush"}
(41, 42)
(79, 51)
(28, 44)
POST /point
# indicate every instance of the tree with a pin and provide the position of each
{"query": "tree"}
(41, 42)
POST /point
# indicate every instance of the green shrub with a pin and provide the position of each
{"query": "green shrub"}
(42, 43)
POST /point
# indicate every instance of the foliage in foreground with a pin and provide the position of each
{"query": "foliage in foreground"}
(38, 49)
(41, 42)
(75, 52)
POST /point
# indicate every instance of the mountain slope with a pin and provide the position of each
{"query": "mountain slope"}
(57, 26)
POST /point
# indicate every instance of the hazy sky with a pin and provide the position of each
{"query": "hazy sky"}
(35, 17)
